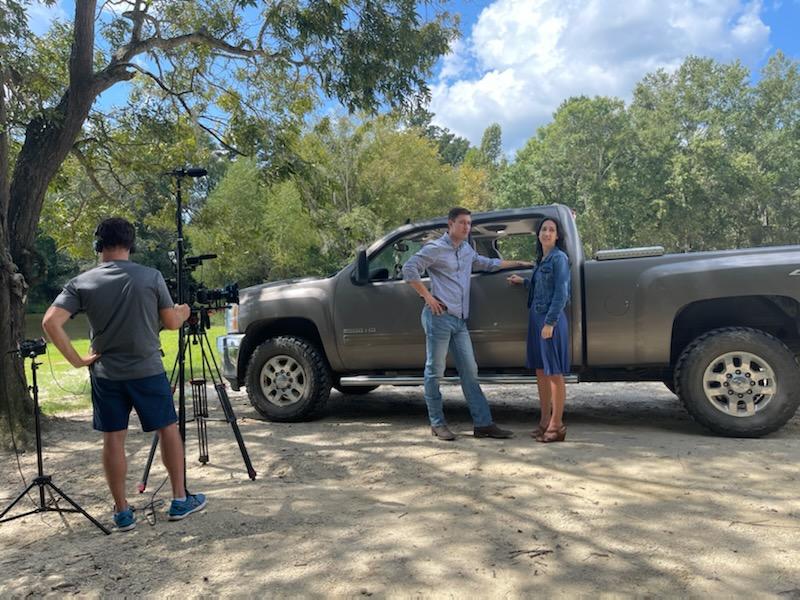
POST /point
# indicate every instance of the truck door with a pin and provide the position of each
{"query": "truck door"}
(378, 325)
(498, 321)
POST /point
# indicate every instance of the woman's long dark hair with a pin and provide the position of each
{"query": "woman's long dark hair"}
(560, 242)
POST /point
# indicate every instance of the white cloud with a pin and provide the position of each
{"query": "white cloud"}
(524, 57)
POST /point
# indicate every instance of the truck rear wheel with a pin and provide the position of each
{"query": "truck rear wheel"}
(739, 382)
(288, 379)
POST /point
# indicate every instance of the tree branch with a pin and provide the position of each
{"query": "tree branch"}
(202, 38)
(91, 173)
(188, 109)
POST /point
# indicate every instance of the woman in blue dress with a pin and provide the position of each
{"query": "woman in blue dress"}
(548, 332)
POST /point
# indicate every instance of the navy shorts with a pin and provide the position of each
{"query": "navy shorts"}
(113, 400)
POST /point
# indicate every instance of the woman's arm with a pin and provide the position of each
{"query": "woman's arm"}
(560, 289)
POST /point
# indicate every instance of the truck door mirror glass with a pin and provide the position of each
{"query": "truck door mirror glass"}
(361, 274)
(381, 274)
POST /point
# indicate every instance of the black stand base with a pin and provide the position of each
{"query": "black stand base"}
(43, 482)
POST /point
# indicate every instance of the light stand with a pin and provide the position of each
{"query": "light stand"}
(30, 349)
(179, 174)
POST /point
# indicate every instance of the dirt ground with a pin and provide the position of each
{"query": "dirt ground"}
(364, 502)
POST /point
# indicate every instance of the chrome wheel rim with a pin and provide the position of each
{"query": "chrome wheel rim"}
(739, 384)
(283, 380)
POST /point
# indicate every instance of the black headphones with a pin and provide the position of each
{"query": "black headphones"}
(98, 244)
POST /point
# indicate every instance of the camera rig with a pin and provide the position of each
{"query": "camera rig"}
(196, 293)
(201, 300)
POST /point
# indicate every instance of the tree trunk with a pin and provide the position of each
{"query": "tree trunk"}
(16, 415)
(48, 140)
(16, 407)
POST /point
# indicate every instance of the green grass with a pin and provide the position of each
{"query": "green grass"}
(63, 388)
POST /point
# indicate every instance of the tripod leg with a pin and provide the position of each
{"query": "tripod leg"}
(222, 394)
(142, 485)
(17, 499)
(79, 509)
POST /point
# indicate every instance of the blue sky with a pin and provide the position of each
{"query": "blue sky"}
(517, 60)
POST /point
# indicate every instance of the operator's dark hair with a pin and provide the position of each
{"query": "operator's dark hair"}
(560, 242)
(456, 211)
(114, 232)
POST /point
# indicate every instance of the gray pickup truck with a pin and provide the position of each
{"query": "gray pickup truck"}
(720, 329)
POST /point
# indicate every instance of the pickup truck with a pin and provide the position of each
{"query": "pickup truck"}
(719, 329)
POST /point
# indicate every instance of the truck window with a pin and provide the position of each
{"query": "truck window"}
(392, 258)
(520, 246)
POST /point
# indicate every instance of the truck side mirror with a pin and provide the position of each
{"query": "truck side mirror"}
(361, 274)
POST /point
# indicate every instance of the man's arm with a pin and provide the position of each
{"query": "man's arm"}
(515, 264)
(412, 272)
(174, 316)
(53, 325)
(436, 307)
(485, 263)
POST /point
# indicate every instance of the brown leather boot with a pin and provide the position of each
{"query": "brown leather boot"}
(492, 431)
(443, 433)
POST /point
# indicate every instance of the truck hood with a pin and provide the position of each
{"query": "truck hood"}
(256, 291)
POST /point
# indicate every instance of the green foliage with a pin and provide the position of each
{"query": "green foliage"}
(699, 160)
(55, 268)
(402, 178)
(231, 225)
(452, 148)
(491, 147)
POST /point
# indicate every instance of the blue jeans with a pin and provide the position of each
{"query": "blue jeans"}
(445, 332)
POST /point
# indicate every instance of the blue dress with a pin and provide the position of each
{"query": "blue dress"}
(551, 355)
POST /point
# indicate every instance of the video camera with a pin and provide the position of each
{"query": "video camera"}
(31, 348)
(197, 293)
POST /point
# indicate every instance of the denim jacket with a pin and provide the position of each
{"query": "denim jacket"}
(549, 285)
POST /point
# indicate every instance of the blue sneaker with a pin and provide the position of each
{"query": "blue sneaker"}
(180, 509)
(125, 520)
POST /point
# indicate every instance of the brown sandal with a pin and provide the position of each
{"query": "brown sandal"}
(554, 435)
(538, 432)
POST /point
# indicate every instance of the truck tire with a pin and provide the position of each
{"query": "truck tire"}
(288, 379)
(738, 381)
(355, 390)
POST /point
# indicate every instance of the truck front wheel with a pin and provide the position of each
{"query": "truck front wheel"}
(288, 379)
(738, 381)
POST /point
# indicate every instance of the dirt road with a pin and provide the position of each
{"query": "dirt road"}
(364, 502)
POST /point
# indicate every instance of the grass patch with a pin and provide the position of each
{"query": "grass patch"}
(62, 388)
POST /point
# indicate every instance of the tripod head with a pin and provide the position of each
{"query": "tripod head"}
(30, 348)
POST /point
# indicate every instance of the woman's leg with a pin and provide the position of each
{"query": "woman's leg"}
(558, 394)
(545, 403)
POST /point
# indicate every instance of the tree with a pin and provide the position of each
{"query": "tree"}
(402, 177)
(452, 148)
(581, 159)
(492, 145)
(698, 177)
(202, 59)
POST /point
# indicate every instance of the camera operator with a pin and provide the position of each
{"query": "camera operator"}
(124, 302)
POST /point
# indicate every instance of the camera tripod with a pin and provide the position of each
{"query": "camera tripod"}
(208, 370)
(43, 481)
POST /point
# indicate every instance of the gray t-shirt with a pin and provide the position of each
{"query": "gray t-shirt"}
(121, 300)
